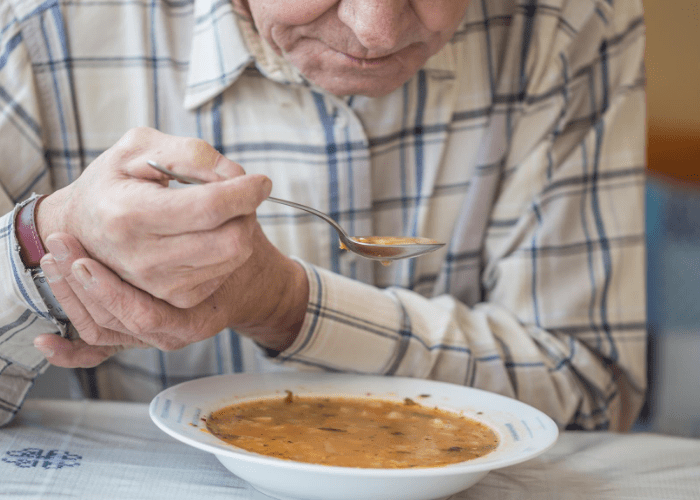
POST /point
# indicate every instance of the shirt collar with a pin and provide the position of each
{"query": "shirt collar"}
(224, 44)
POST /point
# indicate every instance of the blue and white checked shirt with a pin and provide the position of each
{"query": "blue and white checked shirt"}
(520, 144)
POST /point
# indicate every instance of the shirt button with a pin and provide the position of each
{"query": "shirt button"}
(341, 120)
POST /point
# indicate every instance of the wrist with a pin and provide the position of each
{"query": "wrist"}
(47, 215)
(277, 325)
(291, 312)
(31, 250)
(34, 222)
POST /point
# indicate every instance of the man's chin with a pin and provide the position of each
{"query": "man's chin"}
(369, 88)
(344, 75)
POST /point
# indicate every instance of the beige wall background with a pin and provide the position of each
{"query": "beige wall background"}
(673, 88)
(673, 60)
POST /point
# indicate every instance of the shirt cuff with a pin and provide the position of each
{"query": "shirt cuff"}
(349, 326)
(23, 313)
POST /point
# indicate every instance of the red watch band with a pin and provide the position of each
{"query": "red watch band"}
(31, 247)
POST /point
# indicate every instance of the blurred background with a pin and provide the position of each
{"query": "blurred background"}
(673, 216)
(673, 223)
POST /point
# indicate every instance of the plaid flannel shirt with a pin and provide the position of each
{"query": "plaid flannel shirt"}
(520, 144)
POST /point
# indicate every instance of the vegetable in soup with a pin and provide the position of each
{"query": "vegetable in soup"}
(352, 432)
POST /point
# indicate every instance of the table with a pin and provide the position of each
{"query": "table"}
(111, 450)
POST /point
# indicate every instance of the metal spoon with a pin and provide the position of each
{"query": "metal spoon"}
(389, 248)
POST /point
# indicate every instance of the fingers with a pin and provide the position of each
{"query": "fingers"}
(185, 155)
(174, 210)
(229, 192)
(110, 312)
(94, 323)
(208, 206)
(77, 313)
(206, 254)
(72, 353)
(190, 296)
(57, 270)
(183, 286)
(146, 318)
(150, 320)
(167, 262)
(176, 244)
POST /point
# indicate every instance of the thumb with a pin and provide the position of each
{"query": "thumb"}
(72, 353)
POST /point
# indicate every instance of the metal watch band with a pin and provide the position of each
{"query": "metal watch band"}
(31, 247)
(52, 304)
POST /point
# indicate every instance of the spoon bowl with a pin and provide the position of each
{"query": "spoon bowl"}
(388, 248)
(382, 248)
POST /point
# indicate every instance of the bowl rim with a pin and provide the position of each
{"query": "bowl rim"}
(480, 464)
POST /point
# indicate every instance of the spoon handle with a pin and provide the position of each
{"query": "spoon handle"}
(185, 179)
(310, 210)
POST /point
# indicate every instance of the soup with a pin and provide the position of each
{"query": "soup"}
(393, 240)
(352, 432)
(387, 241)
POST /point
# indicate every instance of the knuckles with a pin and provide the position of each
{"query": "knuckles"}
(142, 321)
(197, 150)
(87, 331)
(135, 139)
(183, 300)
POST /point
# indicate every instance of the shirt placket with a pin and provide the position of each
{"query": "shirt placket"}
(350, 187)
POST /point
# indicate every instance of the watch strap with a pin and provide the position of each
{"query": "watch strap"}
(52, 304)
(31, 247)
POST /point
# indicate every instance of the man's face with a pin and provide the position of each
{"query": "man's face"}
(366, 47)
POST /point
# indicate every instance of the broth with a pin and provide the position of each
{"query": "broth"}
(352, 432)
(388, 241)
(393, 240)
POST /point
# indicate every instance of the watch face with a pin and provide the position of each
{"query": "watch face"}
(52, 304)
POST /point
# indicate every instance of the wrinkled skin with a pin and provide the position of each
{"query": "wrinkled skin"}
(159, 275)
(112, 315)
(168, 285)
(366, 47)
(123, 214)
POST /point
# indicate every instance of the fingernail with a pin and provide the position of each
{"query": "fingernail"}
(57, 248)
(82, 274)
(267, 186)
(51, 270)
(45, 350)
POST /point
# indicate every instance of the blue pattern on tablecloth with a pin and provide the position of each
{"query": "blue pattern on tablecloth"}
(36, 457)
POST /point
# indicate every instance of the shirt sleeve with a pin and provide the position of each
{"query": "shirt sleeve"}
(562, 320)
(23, 314)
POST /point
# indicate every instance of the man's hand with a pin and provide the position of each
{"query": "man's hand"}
(76, 353)
(265, 299)
(180, 245)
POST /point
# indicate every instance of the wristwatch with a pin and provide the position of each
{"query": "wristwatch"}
(31, 251)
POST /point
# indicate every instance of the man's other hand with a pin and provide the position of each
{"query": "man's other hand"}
(265, 299)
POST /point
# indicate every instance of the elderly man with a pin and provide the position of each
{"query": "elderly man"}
(511, 130)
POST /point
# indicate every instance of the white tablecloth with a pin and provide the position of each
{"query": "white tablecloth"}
(104, 450)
